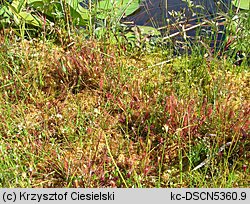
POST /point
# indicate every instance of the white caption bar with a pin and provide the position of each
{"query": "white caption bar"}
(126, 196)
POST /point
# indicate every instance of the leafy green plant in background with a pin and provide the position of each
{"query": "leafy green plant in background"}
(119, 8)
(242, 4)
(98, 18)
(31, 11)
(13, 14)
(238, 35)
(107, 16)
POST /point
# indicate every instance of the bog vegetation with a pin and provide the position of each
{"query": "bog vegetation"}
(87, 100)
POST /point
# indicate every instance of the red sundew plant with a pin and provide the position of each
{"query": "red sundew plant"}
(87, 115)
(83, 68)
(185, 117)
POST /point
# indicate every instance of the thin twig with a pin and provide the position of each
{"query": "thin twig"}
(190, 28)
(184, 30)
(161, 63)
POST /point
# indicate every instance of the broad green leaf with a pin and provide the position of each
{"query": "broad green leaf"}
(148, 30)
(44, 7)
(4, 15)
(30, 19)
(131, 7)
(75, 6)
(122, 8)
(55, 10)
(242, 4)
(21, 5)
(14, 10)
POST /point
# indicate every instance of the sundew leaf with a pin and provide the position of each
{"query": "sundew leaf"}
(242, 4)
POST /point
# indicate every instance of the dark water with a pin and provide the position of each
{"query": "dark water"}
(156, 13)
